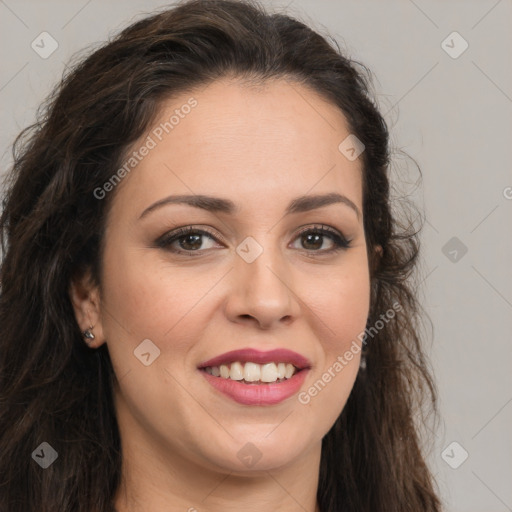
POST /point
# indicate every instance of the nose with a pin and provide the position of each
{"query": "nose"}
(262, 292)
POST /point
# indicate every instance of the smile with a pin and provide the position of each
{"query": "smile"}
(253, 372)
(252, 377)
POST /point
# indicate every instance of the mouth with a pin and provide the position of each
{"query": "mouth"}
(253, 373)
(252, 377)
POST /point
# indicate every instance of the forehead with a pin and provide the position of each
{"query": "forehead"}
(232, 139)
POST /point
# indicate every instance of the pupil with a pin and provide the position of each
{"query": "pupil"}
(197, 244)
(317, 236)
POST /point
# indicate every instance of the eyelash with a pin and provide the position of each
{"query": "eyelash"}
(340, 242)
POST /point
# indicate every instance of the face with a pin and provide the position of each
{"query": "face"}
(262, 269)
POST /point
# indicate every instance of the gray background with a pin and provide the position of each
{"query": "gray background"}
(453, 116)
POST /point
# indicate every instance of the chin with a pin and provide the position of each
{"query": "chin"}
(258, 451)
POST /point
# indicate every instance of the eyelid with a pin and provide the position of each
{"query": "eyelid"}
(320, 227)
(340, 241)
(176, 233)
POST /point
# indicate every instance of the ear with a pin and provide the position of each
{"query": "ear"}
(85, 298)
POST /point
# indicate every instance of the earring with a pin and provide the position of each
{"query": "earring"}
(88, 333)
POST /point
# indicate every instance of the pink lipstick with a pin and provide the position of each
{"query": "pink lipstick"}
(252, 377)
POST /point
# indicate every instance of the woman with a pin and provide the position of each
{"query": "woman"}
(205, 298)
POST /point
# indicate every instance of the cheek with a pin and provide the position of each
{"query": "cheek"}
(342, 306)
(341, 314)
(149, 298)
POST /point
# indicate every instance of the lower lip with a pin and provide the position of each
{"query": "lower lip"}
(257, 394)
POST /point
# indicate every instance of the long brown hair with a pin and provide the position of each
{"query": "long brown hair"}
(54, 389)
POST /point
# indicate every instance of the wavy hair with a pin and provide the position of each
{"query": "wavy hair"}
(54, 389)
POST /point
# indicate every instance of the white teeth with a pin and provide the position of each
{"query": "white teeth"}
(253, 372)
(224, 371)
(236, 372)
(269, 372)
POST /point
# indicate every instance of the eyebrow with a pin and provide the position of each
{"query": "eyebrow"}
(220, 205)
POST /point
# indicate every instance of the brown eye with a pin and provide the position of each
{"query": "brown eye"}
(192, 241)
(312, 239)
(188, 240)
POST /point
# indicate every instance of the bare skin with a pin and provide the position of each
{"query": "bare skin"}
(260, 148)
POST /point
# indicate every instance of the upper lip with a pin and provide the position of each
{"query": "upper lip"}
(280, 355)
